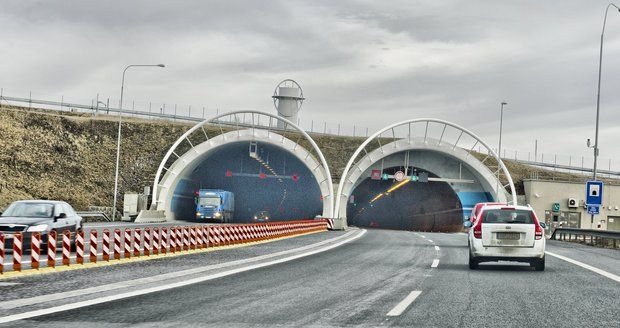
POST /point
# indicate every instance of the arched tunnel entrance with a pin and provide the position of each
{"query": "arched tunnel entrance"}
(405, 205)
(249, 158)
(262, 177)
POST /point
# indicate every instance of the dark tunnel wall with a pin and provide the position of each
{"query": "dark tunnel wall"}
(284, 198)
(418, 206)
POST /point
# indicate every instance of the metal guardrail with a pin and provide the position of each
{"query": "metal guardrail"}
(94, 214)
(594, 237)
(564, 167)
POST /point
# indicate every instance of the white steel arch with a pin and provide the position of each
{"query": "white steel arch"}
(399, 145)
(245, 126)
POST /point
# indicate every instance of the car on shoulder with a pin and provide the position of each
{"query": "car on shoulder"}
(506, 233)
(261, 216)
(43, 216)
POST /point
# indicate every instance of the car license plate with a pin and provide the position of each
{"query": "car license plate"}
(508, 235)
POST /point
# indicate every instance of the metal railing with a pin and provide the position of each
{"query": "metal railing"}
(604, 238)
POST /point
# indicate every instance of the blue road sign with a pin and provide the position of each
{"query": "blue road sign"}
(594, 209)
(594, 192)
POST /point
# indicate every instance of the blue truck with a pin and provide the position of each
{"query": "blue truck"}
(215, 204)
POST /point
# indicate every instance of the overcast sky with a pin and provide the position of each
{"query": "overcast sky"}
(368, 63)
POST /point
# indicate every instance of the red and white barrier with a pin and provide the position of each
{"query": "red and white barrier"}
(178, 237)
(106, 245)
(93, 246)
(127, 243)
(185, 238)
(79, 247)
(66, 247)
(51, 248)
(137, 242)
(146, 242)
(35, 250)
(1, 253)
(117, 244)
(17, 251)
(164, 240)
(173, 239)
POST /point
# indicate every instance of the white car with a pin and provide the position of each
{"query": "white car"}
(506, 233)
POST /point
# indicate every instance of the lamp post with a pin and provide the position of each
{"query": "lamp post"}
(118, 137)
(598, 95)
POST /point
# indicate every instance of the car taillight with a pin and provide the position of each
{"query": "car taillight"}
(539, 232)
(478, 230)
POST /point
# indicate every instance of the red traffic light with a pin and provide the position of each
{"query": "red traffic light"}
(228, 173)
(262, 175)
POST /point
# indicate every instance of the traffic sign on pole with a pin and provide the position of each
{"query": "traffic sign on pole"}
(594, 209)
(399, 176)
(594, 192)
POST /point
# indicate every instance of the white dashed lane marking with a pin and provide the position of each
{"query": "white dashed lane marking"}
(404, 304)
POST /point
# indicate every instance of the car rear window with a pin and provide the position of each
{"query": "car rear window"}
(507, 216)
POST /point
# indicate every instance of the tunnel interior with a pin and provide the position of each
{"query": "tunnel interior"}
(406, 205)
(262, 176)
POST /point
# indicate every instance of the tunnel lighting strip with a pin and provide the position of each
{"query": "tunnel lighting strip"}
(398, 185)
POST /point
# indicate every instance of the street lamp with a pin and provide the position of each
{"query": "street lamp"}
(501, 122)
(118, 137)
(598, 95)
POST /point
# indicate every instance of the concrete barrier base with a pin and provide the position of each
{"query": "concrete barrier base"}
(151, 216)
(340, 223)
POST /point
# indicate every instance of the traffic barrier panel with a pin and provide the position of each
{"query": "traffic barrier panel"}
(106, 245)
(137, 241)
(178, 238)
(192, 237)
(185, 231)
(92, 249)
(173, 239)
(147, 242)
(17, 251)
(164, 240)
(35, 250)
(51, 248)
(127, 243)
(66, 247)
(1, 252)
(79, 247)
(117, 244)
(156, 244)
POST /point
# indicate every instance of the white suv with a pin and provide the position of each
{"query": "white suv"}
(506, 233)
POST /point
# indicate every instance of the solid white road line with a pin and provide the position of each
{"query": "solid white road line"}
(435, 263)
(404, 304)
(604, 273)
(105, 299)
(436, 248)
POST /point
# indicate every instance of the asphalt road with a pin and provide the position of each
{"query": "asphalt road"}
(359, 283)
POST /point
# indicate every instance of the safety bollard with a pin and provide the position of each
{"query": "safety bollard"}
(185, 238)
(127, 243)
(66, 247)
(173, 239)
(164, 240)
(79, 247)
(155, 241)
(93, 245)
(202, 243)
(1, 252)
(179, 238)
(17, 251)
(147, 242)
(35, 250)
(192, 237)
(51, 249)
(137, 242)
(117, 244)
(106, 245)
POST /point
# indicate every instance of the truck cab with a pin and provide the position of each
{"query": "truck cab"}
(215, 204)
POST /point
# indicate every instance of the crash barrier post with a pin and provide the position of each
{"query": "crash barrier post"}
(178, 238)
(117, 244)
(164, 240)
(17, 251)
(92, 249)
(35, 250)
(185, 238)
(156, 239)
(173, 240)
(51, 249)
(1, 253)
(106, 245)
(137, 241)
(127, 243)
(192, 237)
(146, 242)
(66, 247)
(79, 247)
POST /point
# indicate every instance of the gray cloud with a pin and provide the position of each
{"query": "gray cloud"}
(360, 62)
